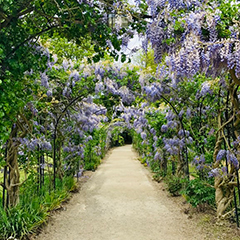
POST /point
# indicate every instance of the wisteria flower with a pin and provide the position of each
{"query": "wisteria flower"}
(164, 128)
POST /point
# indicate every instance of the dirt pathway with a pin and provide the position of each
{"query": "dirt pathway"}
(121, 202)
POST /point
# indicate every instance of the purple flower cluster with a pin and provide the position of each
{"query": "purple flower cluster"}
(199, 162)
(164, 128)
(231, 158)
(170, 115)
(192, 51)
(33, 144)
(157, 156)
(126, 95)
(214, 173)
(221, 154)
(154, 91)
(44, 80)
(143, 135)
(205, 89)
(183, 133)
(171, 145)
(74, 150)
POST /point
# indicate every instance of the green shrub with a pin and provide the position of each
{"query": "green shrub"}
(142, 160)
(159, 174)
(92, 163)
(174, 184)
(198, 193)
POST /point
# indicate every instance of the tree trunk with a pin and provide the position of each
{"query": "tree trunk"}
(224, 185)
(19, 130)
(13, 181)
(223, 196)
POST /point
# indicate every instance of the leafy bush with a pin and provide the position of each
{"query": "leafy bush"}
(174, 184)
(21, 220)
(33, 208)
(92, 163)
(91, 157)
(159, 175)
(199, 193)
(117, 140)
(142, 160)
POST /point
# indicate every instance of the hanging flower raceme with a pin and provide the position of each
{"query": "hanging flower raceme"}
(231, 158)
(199, 162)
(143, 135)
(214, 173)
(221, 154)
(157, 156)
(164, 128)
(171, 145)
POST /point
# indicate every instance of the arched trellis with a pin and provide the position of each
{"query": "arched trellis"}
(184, 134)
(58, 120)
(78, 98)
(112, 126)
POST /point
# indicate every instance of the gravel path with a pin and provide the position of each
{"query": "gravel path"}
(121, 202)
